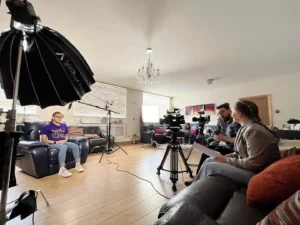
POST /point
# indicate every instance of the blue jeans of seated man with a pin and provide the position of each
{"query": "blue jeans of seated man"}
(211, 167)
(63, 152)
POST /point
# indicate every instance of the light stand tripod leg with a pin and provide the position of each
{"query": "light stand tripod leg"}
(44, 197)
(102, 156)
(11, 124)
(163, 160)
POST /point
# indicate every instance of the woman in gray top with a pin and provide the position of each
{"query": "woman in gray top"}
(255, 148)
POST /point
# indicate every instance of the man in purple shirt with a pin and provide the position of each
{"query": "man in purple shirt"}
(56, 135)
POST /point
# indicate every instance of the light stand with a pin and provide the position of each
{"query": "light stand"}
(109, 147)
(10, 127)
(13, 139)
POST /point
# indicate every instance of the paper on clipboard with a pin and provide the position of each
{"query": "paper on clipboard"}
(206, 150)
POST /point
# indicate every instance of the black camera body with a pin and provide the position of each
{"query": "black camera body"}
(202, 120)
(173, 120)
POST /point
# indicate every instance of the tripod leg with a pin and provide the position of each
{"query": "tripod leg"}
(44, 197)
(102, 156)
(174, 166)
(119, 147)
(185, 162)
(163, 160)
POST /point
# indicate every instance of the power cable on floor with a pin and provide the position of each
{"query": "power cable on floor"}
(124, 171)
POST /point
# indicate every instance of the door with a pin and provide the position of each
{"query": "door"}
(263, 103)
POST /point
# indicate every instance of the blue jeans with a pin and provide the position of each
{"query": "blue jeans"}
(63, 152)
(211, 167)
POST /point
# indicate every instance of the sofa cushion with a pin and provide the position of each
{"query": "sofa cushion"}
(32, 130)
(75, 131)
(276, 183)
(238, 212)
(288, 212)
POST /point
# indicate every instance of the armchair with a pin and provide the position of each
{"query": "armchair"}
(39, 158)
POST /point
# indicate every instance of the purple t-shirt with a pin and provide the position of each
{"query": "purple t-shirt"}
(54, 132)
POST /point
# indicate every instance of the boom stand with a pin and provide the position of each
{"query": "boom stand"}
(109, 146)
(175, 148)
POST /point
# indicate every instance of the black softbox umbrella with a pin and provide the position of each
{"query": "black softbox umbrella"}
(53, 72)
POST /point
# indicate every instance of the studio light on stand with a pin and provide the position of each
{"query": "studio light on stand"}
(38, 66)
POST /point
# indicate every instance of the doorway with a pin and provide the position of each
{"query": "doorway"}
(263, 103)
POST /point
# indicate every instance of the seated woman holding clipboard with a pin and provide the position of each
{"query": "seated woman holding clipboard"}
(255, 148)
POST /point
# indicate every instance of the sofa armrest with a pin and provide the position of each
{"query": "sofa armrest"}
(77, 139)
(28, 145)
(35, 161)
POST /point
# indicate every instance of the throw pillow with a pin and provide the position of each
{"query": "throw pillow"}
(75, 131)
(276, 183)
(288, 212)
(159, 130)
(194, 132)
(91, 136)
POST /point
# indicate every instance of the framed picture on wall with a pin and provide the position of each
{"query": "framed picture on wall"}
(189, 110)
(198, 108)
(209, 109)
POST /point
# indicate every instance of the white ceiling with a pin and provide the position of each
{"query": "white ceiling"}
(192, 40)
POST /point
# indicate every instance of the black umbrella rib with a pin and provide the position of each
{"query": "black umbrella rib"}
(10, 58)
(34, 90)
(61, 102)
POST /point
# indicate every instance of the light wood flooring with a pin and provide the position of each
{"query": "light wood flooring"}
(102, 195)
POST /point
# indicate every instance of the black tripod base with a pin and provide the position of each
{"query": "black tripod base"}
(111, 151)
(174, 149)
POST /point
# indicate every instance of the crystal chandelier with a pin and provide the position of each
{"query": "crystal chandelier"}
(148, 74)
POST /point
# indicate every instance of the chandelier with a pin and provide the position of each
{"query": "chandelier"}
(148, 74)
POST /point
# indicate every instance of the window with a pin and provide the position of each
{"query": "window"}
(162, 102)
(98, 96)
(6, 104)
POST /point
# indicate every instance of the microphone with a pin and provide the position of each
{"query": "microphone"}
(70, 106)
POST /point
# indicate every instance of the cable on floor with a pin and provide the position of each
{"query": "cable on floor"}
(124, 171)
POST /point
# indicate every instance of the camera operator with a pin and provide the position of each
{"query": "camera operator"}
(226, 131)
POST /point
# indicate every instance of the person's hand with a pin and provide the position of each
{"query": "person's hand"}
(61, 142)
(221, 159)
(219, 137)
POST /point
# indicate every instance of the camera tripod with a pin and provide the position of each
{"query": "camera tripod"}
(175, 148)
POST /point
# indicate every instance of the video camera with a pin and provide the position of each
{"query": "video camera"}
(202, 120)
(173, 119)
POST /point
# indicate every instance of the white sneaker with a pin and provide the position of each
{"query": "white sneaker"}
(64, 172)
(79, 168)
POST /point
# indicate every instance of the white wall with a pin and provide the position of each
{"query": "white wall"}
(284, 90)
(132, 121)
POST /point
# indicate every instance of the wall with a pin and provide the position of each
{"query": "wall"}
(132, 121)
(284, 90)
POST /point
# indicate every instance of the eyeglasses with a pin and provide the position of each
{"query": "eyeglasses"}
(60, 117)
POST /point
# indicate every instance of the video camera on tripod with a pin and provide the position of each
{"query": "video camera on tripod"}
(202, 120)
(173, 120)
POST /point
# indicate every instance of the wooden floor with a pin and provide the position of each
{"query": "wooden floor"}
(102, 195)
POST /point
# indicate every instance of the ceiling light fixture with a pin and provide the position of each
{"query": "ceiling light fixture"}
(148, 74)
